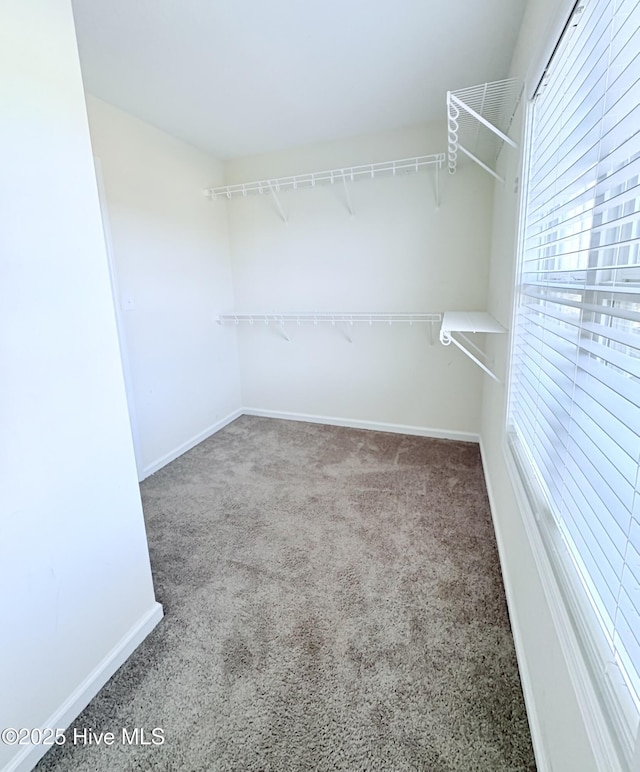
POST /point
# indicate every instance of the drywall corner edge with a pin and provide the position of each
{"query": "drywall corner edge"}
(87, 690)
(378, 426)
(542, 761)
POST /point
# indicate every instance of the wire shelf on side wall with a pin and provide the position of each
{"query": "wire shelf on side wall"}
(478, 122)
(460, 323)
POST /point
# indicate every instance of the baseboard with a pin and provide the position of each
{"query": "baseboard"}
(353, 423)
(567, 620)
(539, 748)
(378, 426)
(87, 690)
(190, 443)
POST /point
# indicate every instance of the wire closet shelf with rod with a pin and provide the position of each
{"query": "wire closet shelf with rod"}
(342, 176)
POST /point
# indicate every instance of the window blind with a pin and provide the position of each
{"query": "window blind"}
(574, 404)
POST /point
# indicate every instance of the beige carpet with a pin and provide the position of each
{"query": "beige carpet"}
(333, 601)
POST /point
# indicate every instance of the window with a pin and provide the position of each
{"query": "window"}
(574, 404)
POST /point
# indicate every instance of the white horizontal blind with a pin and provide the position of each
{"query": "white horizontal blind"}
(574, 409)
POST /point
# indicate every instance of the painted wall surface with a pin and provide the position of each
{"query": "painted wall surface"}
(171, 254)
(560, 736)
(75, 581)
(398, 252)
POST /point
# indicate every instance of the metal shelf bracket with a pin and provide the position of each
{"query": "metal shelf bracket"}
(457, 323)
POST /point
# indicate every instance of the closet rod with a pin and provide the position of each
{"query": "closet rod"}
(346, 174)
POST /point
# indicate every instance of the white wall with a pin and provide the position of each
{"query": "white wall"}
(76, 593)
(397, 253)
(171, 254)
(560, 737)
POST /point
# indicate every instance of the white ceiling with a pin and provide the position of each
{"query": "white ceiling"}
(240, 77)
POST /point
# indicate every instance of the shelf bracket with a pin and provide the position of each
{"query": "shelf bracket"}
(276, 201)
(479, 162)
(283, 331)
(430, 333)
(461, 322)
(347, 195)
(448, 338)
(347, 331)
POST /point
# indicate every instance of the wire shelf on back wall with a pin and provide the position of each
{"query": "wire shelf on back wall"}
(343, 176)
(478, 119)
(348, 174)
(342, 319)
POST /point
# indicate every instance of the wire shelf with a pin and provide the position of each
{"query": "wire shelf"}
(331, 317)
(342, 319)
(478, 121)
(458, 323)
(346, 174)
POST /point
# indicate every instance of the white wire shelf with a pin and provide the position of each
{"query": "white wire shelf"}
(461, 322)
(343, 176)
(349, 174)
(478, 121)
(343, 319)
(332, 317)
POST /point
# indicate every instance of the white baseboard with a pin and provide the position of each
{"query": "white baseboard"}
(29, 755)
(188, 444)
(378, 426)
(353, 423)
(539, 748)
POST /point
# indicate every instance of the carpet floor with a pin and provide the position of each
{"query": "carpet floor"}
(333, 601)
